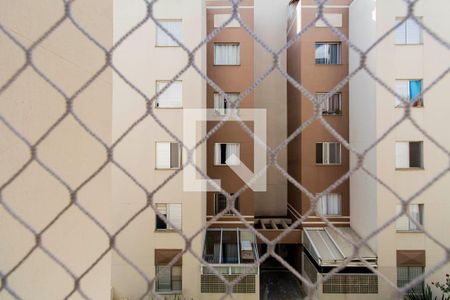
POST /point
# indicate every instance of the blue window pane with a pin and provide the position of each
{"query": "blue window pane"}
(415, 88)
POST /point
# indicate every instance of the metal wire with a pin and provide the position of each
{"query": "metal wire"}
(109, 159)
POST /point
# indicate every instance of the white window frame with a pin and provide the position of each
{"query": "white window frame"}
(401, 32)
(339, 59)
(160, 84)
(323, 205)
(173, 213)
(326, 154)
(404, 223)
(216, 63)
(402, 158)
(325, 106)
(167, 166)
(169, 42)
(218, 159)
(402, 87)
(222, 110)
(227, 213)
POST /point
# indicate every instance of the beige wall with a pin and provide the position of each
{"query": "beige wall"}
(31, 106)
(143, 63)
(392, 62)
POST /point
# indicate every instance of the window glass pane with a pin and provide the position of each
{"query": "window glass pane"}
(321, 53)
(175, 215)
(402, 276)
(232, 154)
(176, 278)
(171, 97)
(402, 89)
(164, 279)
(415, 88)
(221, 202)
(174, 27)
(415, 154)
(226, 54)
(335, 53)
(319, 158)
(402, 155)
(414, 212)
(212, 246)
(402, 223)
(400, 33)
(413, 32)
(334, 204)
(229, 247)
(223, 154)
(162, 155)
(174, 155)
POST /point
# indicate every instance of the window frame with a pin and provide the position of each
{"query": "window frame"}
(328, 43)
(157, 30)
(409, 277)
(225, 165)
(226, 109)
(227, 213)
(226, 43)
(167, 228)
(340, 204)
(321, 94)
(323, 150)
(410, 223)
(157, 106)
(419, 103)
(171, 290)
(422, 163)
(404, 24)
(179, 155)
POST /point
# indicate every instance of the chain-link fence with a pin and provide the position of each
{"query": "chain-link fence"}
(70, 99)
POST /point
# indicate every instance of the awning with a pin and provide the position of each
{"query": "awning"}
(328, 248)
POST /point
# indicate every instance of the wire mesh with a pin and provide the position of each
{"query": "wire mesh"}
(109, 159)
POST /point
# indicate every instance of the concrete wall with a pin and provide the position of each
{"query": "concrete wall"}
(143, 63)
(31, 105)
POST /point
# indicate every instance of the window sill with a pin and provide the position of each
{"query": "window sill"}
(162, 107)
(226, 65)
(409, 231)
(158, 46)
(409, 44)
(227, 165)
(165, 230)
(410, 169)
(325, 165)
(170, 292)
(340, 64)
(167, 169)
(331, 115)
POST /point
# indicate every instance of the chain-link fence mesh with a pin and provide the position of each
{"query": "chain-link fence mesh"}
(109, 158)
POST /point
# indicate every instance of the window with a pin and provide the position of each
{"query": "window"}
(164, 40)
(328, 53)
(169, 279)
(330, 205)
(406, 224)
(408, 155)
(409, 90)
(220, 203)
(406, 274)
(328, 153)
(408, 33)
(171, 97)
(168, 155)
(331, 105)
(222, 104)
(227, 54)
(172, 212)
(226, 154)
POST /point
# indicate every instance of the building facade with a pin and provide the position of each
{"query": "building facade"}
(405, 159)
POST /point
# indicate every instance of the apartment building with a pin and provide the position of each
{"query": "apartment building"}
(408, 60)
(150, 59)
